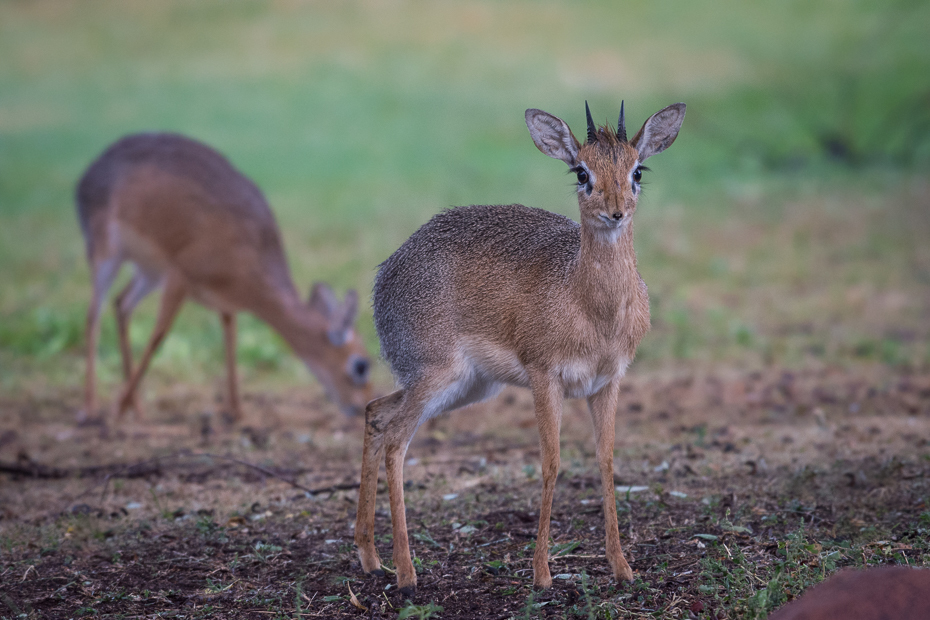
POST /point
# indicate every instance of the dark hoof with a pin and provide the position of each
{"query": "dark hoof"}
(408, 590)
(378, 572)
(91, 421)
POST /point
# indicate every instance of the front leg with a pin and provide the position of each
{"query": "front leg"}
(233, 404)
(547, 398)
(603, 407)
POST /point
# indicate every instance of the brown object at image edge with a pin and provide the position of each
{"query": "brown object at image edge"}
(481, 296)
(898, 592)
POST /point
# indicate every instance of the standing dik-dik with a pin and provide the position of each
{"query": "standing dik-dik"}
(484, 296)
(194, 226)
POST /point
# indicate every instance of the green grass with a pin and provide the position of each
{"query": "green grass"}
(786, 225)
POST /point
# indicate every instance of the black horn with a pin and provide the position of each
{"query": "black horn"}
(621, 125)
(592, 132)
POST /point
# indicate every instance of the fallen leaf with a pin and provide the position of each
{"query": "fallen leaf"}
(354, 599)
(236, 521)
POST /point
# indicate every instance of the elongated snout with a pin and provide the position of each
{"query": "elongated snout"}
(616, 206)
(614, 212)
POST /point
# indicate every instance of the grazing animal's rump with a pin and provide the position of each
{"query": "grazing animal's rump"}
(194, 226)
(484, 296)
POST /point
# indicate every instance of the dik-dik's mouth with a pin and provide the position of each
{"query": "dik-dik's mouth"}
(612, 221)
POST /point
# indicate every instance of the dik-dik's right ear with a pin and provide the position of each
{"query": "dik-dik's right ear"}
(552, 136)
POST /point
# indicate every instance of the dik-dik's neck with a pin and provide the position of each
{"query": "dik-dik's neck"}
(303, 329)
(606, 275)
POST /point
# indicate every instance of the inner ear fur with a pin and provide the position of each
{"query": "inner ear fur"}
(658, 133)
(552, 136)
(323, 299)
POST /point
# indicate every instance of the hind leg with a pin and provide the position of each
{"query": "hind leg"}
(444, 391)
(390, 423)
(394, 453)
(171, 299)
(377, 414)
(136, 290)
(104, 273)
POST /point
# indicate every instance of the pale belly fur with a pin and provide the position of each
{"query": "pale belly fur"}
(481, 371)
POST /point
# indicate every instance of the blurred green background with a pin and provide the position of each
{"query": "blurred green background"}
(789, 225)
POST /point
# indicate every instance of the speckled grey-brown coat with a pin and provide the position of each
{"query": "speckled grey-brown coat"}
(484, 296)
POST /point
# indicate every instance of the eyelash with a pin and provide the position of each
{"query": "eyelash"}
(639, 172)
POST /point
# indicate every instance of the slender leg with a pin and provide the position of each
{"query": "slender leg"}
(104, 272)
(134, 292)
(547, 398)
(90, 378)
(171, 299)
(394, 465)
(377, 414)
(390, 423)
(229, 339)
(122, 328)
(603, 407)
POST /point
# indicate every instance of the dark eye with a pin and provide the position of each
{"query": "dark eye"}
(358, 370)
(637, 175)
(582, 177)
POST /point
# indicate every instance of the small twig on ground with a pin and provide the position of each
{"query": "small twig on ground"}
(31, 469)
(149, 467)
(330, 489)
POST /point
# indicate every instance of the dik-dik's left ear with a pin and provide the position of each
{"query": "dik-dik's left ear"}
(552, 136)
(659, 131)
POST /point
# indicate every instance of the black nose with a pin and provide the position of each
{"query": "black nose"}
(361, 368)
(618, 215)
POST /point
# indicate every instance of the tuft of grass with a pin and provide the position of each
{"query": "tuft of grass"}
(419, 612)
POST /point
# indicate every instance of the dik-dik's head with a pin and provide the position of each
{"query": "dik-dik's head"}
(340, 360)
(609, 167)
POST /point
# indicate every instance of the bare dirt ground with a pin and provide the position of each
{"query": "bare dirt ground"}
(746, 488)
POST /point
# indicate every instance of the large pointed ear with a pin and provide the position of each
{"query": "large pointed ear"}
(349, 310)
(323, 300)
(552, 136)
(340, 316)
(342, 321)
(659, 131)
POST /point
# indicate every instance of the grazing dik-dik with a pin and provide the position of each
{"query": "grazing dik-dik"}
(484, 296)
(194, 226)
